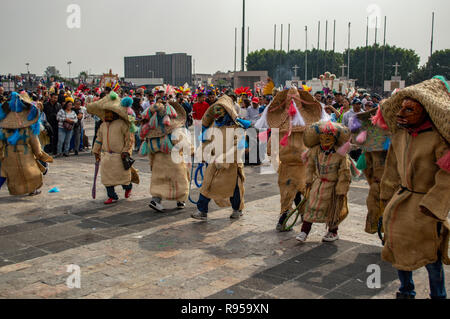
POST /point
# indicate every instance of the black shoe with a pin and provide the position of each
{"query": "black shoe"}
(76, 153)
(181, 205)
(404, 296)
(281, 221)
(66, 155)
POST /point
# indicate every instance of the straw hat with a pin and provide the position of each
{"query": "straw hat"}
(311, 136)
(227, 103)
(112, 103)
(363, 116)
(28, 113)
(432, 94)
(177, 120)
(307, 105)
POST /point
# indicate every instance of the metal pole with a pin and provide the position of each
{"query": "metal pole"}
(348, 52)
(306, 53)
(375, 54)
(367, 48)
(432, 40)
(432, 34)
(318, 47)
(334, 46)
(326, 44)
(274, 36)
(235, 48)
(248, 40)
(281, 43)
(243, 38)
(289, 37)
(384, 53)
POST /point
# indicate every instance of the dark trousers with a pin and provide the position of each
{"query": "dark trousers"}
(435, 275)
(355, 154)
(112, 193)
(235, 201)
(97, 126)
(54, 139)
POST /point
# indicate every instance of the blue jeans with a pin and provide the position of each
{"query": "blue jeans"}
(436, 277)
(112, 193)
(64, 137)
(235, 201)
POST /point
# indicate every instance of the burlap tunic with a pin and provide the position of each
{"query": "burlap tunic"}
(291, 169)
(330, 177)
(221, 178)
(411, 237)
(170, 180)
(113, 139)
(19, 164)
(375, 156)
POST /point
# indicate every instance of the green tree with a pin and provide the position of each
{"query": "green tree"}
(407, 59)
(438, 64)
(280, 64)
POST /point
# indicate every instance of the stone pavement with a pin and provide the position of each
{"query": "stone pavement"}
(129, 251)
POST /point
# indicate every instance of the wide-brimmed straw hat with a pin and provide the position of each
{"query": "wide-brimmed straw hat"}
(176, 120)
(20, 115)
(224, 101)
(110, 102)
(278, 112)
(432, 94)
(311, 136)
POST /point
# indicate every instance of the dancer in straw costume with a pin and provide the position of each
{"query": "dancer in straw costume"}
(164, 132)
(374, 142)
(224, 177)
(328, 178)
(114, 144)
(290, 112)
(20, 150)
(416, 183)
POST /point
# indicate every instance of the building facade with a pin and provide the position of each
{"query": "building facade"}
(175, 69)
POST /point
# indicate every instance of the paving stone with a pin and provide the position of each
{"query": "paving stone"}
(64, 218)
(10, 246)
(27, 254)
(262, 282)
(298, 290)
(30, 238)
(336, 295)
(86, 239)
(57, 246)
(234, 292)
(322, 279)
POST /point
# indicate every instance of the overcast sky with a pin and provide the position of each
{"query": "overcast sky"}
(37, 32)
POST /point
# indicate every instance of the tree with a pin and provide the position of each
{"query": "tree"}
(438, 64)
(280, 64)
(407, 59)
(51, 71)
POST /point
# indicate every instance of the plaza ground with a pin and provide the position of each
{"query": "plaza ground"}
(129, 251)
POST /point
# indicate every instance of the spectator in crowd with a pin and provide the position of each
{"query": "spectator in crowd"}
(198, 110)
(78, 127)
(51, 109)
(67, 119)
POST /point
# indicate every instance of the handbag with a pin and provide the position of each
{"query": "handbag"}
(127, 162)
(68, 126)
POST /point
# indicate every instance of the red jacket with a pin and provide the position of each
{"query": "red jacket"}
(199, 109)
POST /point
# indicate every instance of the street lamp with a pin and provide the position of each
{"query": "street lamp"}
(69, 63)
(28, 64)
(153, 73)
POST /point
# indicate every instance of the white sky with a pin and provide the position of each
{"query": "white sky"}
(36, 31)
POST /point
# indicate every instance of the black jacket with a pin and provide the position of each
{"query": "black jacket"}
(51, 111)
